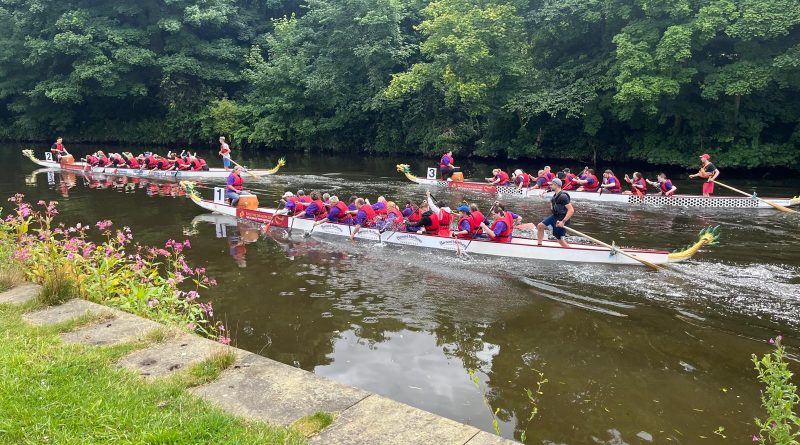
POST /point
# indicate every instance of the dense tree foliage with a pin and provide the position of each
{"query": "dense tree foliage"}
(615, 79)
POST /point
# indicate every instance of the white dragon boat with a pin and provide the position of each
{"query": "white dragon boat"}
(78, 167)
(519, 247)
(737, 202)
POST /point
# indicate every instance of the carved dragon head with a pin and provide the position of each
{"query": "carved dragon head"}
(707, 236)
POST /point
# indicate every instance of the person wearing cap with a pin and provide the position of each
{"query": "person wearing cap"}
(225, 152)
(235, 184)
(562, 213)
(707, 171)
(289, 206)
(521, 179)
(464, 229)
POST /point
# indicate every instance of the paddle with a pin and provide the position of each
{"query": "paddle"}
(777, 206)
(613, 249)
(314, 226)
(245, 170)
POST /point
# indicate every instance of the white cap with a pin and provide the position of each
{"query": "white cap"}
(288, 195)
(518, 172)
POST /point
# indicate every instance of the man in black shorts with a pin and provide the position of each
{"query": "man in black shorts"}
(562, 212)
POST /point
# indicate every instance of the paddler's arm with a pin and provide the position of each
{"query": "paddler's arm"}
(431, 204)
(570, 212)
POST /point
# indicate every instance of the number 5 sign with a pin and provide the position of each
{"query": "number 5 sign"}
(432, 171)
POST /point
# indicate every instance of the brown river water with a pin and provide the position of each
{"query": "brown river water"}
(631, 356)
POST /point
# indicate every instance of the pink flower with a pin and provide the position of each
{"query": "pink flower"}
(755, 438)
(192, 295)
(152, 302)
(191, 326)
(187, 244)
(224, 340)
(21, 255)
(104, 224)
(779, 338)
(772, 341)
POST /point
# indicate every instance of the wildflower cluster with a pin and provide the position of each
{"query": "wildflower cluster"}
(779, 398)
(156, 283)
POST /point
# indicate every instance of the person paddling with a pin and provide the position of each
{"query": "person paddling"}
(464, 228)
(225, 152)
(521, 179)
(588, 181)
(235, 184)
(499, 177)
(611, 183)
(365, 216)
(562, 213)
(502, 226)
(638, 184)
(446, 167)
(664, 185)
(443, 213)
(58, 150)
(338, 213)
(709, 172)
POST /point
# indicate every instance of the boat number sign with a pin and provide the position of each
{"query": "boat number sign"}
(432, 172)
(48, 156)
(219, 195)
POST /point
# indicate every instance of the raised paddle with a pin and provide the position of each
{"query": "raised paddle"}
(613, 248)
(245, 170)
(777, 206)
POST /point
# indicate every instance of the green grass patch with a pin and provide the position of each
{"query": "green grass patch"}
(52, 392)
(57, 289)
(10, 277)
(313, 424)
(208, 370)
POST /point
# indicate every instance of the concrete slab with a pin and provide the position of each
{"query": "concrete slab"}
(484, 438)
(170, 356)
(378, 420)
(20, 294)
(120, 329)
(258, 388)
(64, 312)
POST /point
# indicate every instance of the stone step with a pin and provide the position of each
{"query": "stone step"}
(120, 329)
(258, 388)
(377, 420)
(172, 355)
(20, 294)
(64, 312)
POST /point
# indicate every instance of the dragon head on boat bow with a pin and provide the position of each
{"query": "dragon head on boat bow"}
(191, 192)
(406, 170)
(273, 170)
(708, 236)
(29, 154)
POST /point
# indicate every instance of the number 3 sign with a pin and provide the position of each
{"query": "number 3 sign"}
(432, 171)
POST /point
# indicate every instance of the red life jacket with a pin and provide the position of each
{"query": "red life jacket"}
(469, 219)
(663, 186)
(477, 219)
(202, 163)
(182, 164)
(164, 164)
(133, 162)
(382, 212)
(503, 178)
(591, 187)
(305, 199)
(526, 180)
(617, 186)
(371, 215)
(542, 177)
(196, 164)
(505, 236)
(642, 189)
(443, 165)
(151, 162)
(60, 148)
(298, 205)
(92, 160)
(444, 218)
(569, 182)
(550, 176)
(104, 161)
(398, 216)
(343, 211)
(238, 183)
(322, 211)
(416, 216)
(433, 229)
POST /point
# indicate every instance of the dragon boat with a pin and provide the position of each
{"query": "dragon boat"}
(519, 247)
(69, 164)
(735, 202)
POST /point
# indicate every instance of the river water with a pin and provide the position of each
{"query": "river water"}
(631, 356)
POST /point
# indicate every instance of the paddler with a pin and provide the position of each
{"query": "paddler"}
(443, 213)
(477, 218)
(521, 179)
(664, 185)
(446, 167)
(611, 183)
(235, 184)
(567, 178)
(707, 171)
(464, 229)
(409, 209)
(638, 184)
(316, 208)
(289, 205)
(541, 181)
(588, 181)
(548, 173)
(365, 216)
(499, 177)
(58, 150)
(225, 152)
(562, 212)
(338, 213)
(502, 225)
(428, 221)
(394, 216)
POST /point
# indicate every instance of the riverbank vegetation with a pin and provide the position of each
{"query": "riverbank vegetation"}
(105, 265)
(781, 425)
(69, 394)
(585, 80)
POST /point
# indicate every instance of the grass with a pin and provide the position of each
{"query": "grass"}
(10, 276)
(208, 370)
(57, 289)
(313, 424)
(52, 392)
